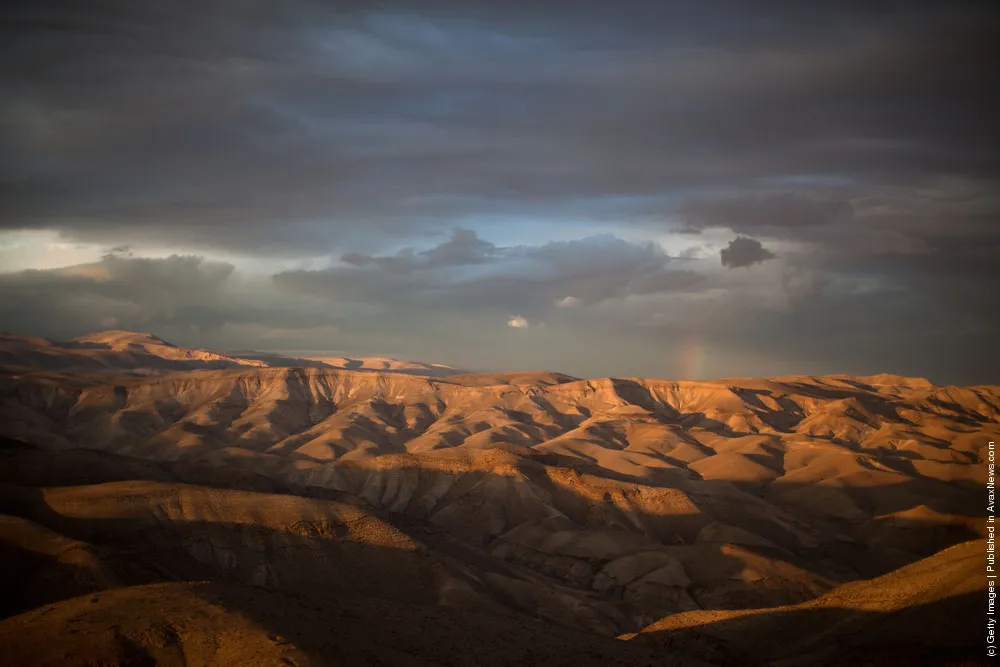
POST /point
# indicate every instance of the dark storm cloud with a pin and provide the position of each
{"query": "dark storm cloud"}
(464, 248)
(743, 251)
(757, 212)
(856, 142)
(531, 280)
(272, 128)
(590, 270)
(856, 332)
(144, 294)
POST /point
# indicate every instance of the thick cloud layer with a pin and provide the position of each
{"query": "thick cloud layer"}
(413, 176)
(176, 295)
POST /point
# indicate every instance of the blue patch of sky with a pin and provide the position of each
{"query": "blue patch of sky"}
(531, 230)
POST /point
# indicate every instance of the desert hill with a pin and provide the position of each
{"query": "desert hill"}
(364, 364)
(209, 623)
(926, 613)
(112, 567)
(605, 507)
(293, 577)
(109, 351)
(145, 354)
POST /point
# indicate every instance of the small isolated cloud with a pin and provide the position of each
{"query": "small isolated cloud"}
(518, 322)
(121, 251)
(743, 251)
(568, 302)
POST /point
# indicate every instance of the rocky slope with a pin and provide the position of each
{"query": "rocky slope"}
(599, 506)
(134, 353)
(110, 352)
(210, 623)
(927, 613)
(295, 579)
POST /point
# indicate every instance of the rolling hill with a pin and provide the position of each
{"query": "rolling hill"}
(128, 352)
(700, 518)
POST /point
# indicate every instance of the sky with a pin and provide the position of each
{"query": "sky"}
(674, 189)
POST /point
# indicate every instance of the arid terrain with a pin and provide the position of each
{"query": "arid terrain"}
(173, 506)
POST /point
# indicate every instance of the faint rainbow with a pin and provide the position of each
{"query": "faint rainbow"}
(693, 358)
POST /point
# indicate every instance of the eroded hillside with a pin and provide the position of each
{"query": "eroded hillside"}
(595, 505)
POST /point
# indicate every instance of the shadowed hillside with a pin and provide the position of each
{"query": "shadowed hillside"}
(927, 613)
(734, 508)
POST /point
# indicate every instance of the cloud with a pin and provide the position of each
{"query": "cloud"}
(464, 248)
(568, 302)
(356, 258)
(743, 251)
(524, 279)
(462, 162)
(306, 130)
(755, 212)
(760, 317)
(801, 283)
(186, 294)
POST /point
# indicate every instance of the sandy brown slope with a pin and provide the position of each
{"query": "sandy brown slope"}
(282, 565)
(145, 354)
(142, 531)
(365, 364)
(110, 351)
(928, 613)
(198, 624)
(588, 505)
(629, 499)
(555, 549)
(540, 378)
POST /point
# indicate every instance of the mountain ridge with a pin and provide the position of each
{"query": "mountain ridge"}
(599, 505)
(140, 353)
